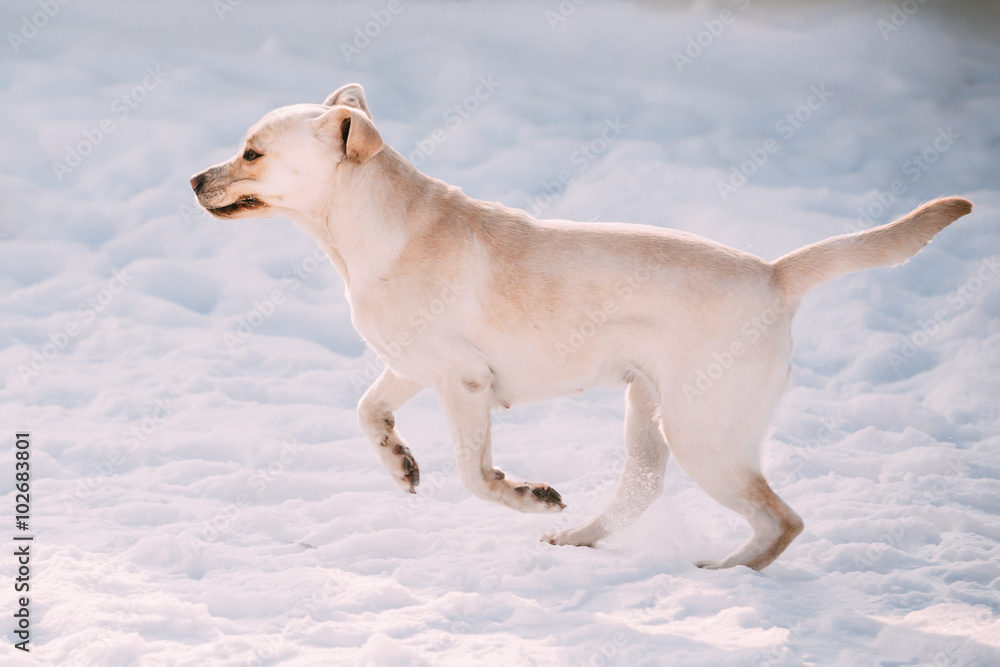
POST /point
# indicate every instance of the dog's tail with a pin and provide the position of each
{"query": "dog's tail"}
(888, 245)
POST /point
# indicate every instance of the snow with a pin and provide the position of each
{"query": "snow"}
(201, 493)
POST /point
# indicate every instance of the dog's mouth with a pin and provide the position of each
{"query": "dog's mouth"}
(244, 203)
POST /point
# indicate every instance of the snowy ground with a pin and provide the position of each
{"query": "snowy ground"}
(201, 493)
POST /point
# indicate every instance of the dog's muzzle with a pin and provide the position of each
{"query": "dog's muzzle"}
(246, 202)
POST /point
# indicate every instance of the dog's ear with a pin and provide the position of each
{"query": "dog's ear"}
(351, 95)
(350, 131)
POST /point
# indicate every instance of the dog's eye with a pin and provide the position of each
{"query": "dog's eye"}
(250, 155)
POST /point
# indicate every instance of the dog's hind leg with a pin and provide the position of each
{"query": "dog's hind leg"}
(642, 480)
(716, 439)
(375, 409)
(774, 524)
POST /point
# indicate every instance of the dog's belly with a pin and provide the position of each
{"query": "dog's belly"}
(524, 368)
(531, 369)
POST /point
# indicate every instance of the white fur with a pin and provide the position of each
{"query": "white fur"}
(490, 307)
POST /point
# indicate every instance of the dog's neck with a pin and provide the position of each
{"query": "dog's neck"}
(371, 212)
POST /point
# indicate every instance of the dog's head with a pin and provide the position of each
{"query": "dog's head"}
(290, 158)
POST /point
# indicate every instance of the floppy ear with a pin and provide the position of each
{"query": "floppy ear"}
(352, 95)
(349, 131)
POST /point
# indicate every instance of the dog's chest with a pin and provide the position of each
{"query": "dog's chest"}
(407, 320)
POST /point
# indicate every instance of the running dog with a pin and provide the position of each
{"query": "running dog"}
(490, 307)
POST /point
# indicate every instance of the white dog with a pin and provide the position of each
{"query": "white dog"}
(490, 307)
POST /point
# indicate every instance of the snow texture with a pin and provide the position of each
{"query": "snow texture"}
(201, 492)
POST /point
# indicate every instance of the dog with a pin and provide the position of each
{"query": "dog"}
(490, 307)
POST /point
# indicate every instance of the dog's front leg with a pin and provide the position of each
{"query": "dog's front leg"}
(466, 401)
(375, 416)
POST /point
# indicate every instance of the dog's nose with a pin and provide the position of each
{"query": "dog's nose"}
(197, 181)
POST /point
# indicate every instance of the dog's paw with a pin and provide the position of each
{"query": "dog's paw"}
(399, 460)
(569, 538)
(707, 564)
(538, 498)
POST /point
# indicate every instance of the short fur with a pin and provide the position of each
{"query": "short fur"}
(490, 308)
